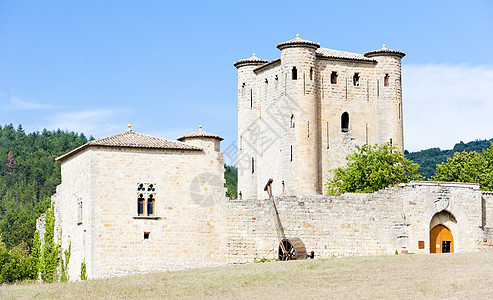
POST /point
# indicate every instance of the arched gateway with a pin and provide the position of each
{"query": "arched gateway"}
(441, 227)
(441, 240)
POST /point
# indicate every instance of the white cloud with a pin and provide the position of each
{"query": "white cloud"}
(444, 104)
(17, 103)
(98, 122)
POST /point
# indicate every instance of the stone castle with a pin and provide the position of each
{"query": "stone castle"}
(300, 115)
(134, 203)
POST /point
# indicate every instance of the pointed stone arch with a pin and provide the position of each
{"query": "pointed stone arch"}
(443, 229)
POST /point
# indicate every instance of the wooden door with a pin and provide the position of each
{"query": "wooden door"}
(441, 240)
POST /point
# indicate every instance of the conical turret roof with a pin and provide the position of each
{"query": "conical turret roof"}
(298, 42)
(252, 61)
(200, 133)
(384, 51)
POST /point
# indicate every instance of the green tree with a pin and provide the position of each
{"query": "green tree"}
(371, 168)
(471, 167)
(231, 177)
(50, 254)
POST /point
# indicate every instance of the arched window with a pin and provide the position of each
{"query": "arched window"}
(345, 122)
(140, 205)
(292, 121)
(386, 80)
(294, 73)
(311, 73)
(150, 205)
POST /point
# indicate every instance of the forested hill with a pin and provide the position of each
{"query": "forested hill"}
(28, 177)
(428, 159)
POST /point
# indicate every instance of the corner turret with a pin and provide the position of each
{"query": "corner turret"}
(208, 141)
(389, 96)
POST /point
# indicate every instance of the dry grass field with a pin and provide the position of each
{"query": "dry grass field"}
(402, 277)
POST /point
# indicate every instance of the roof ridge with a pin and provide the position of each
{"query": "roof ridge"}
(132, 139)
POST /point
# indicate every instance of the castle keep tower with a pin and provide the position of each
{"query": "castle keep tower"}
(300, 115)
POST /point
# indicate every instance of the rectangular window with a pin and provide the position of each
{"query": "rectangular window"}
(294, 73)
(333, 78)
(356, 79)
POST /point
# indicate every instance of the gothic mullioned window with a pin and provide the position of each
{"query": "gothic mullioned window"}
(146, 199)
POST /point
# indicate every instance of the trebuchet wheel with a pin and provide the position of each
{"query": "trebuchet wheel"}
(295, 249)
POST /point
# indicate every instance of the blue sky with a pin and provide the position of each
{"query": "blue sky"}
(167, 66)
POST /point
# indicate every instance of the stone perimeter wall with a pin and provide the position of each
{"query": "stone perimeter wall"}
(191, 235)
(363, 224)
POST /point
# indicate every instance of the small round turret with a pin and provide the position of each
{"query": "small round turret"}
(207, 141)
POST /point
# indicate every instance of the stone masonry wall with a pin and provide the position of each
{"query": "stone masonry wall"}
(393, 219)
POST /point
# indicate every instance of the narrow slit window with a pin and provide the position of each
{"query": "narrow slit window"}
(356, 79)
(253, 165)
(328, 135)
(251, 98)
(276, 80)
(291, 159)
(243, 85)
(400, 109)
(333, 78)
(345, 122)
(366, 133)
(79, 213)
(292, 121)
(386, 80)
(311, 73)
(308, 129)
(294, 73)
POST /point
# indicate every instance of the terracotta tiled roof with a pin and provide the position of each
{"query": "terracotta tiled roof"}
(132, 139)
(253, 61)
(297, 42)
(385, 51)
(200, 133)
(330, 53)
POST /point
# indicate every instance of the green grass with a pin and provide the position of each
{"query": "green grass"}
(402, 276)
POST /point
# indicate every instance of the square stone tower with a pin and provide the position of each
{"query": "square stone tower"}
(301, 114)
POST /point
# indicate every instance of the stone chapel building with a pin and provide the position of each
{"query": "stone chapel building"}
(134, 203)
